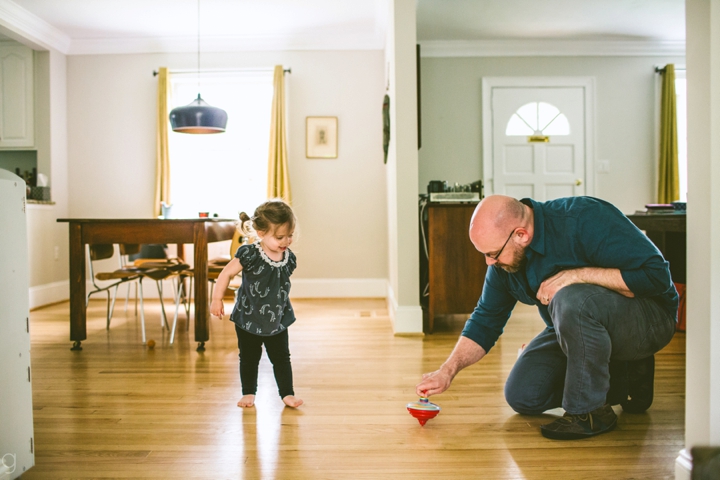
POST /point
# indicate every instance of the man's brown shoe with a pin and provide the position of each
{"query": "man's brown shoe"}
(573, 427)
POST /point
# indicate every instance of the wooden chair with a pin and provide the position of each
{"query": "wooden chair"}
(126, 251)
(160, 270)
(157, 269)
(97, 252)
(216, 265)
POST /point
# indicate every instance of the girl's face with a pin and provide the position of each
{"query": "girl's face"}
(278, 239)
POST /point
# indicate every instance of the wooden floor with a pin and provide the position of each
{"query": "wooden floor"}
(119, 410)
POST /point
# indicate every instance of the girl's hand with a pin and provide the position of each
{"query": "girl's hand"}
(217, 308)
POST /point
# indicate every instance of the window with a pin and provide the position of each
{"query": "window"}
(222, 173)
(538, 118)
(681, 112)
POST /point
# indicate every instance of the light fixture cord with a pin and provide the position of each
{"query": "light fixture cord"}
(198, 44)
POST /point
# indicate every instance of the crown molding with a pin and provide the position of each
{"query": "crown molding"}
(374, 41)
(549, 48)
(26, 28)
(21, 25)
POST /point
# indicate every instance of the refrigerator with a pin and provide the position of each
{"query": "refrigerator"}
(16, 414)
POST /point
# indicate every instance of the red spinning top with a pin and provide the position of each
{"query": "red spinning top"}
(423, 410)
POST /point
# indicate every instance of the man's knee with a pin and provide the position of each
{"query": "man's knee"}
(574, 302)
(517, 397)
(571, 297)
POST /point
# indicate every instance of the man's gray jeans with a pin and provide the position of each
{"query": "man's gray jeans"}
(567, 364)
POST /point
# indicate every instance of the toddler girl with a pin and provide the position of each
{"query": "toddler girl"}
(262, 310)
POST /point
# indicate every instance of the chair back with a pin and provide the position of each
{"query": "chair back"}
(155, 251)
(101, 251)
(237, 240)
(127, 249)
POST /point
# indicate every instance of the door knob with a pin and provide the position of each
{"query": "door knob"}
(578, 182)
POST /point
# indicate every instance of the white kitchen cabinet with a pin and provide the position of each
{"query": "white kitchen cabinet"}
(17, 128)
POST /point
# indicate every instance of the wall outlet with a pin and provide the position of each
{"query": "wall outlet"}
(603, 166)
(57, 253)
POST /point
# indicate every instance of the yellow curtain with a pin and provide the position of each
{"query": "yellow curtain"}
(669, 182)
(162, 163)
(278, 175)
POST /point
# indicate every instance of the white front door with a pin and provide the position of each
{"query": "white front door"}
(538, 138)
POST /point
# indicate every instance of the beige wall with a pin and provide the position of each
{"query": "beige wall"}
(340, 204)
(451, 100)
(48, 272)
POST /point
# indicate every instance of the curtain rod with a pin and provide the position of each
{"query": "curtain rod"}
(662, 69)
(221, 70)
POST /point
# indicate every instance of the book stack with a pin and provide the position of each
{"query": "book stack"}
(660, 208)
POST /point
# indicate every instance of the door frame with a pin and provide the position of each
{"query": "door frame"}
(588, 86)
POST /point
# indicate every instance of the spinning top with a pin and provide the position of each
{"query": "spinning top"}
(423, 410)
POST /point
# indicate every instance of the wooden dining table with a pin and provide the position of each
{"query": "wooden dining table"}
(196, 231)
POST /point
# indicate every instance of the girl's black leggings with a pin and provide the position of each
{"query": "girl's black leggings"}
(278, 352)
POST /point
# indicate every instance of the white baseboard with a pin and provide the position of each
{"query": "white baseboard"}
(301, 288)
(49, 293)
(338, 288)
(405, 319)
(683, 465)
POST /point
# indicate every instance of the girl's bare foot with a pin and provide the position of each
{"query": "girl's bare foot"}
(292, 401)
(247, 401)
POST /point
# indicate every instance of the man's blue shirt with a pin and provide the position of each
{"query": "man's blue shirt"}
(569, 233)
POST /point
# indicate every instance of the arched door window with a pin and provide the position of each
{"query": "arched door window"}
(537, 118)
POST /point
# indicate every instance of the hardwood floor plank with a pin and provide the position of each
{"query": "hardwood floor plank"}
(120, 410)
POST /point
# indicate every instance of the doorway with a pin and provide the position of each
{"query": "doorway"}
(537, 136)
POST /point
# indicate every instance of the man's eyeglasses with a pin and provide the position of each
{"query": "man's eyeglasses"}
(497, 255)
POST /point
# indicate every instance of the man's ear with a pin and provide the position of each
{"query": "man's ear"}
(524, 236)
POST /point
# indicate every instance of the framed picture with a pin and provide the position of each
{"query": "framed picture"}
(321, 137)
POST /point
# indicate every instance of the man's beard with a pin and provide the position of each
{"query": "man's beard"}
(518, 262)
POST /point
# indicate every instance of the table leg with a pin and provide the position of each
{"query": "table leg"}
(202, 308)
(431, 314)
(78, 320)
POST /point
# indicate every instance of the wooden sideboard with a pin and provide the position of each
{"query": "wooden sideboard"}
(668, 233)
(456, 270)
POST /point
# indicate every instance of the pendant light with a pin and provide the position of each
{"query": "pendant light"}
(198, 116)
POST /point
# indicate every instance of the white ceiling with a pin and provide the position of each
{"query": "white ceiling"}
(128, 26)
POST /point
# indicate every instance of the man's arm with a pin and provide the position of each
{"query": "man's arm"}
(610, 278)
(465, 353)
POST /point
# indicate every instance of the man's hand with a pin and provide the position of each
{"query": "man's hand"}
(550, 286)
(433, 383)
(465, 353)
(610, 278)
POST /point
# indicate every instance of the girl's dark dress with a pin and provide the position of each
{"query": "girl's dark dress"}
(262, 314)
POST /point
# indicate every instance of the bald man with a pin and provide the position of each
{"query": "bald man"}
(604, 292)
